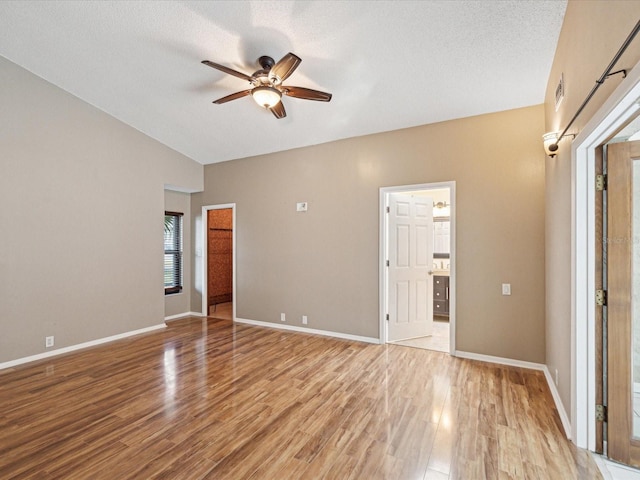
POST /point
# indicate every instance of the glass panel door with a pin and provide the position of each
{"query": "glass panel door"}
(635, 294)
(623, 302)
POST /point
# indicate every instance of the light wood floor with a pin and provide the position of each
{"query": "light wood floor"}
(209, 399)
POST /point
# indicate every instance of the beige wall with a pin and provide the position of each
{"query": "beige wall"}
(180, 303)
(591, 34)
(324, 263)
(82, 200)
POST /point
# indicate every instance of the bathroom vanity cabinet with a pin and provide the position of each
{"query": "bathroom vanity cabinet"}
(441, 296)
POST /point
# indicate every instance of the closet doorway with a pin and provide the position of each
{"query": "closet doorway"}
(219, 262)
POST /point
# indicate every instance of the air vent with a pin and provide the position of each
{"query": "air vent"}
(560, 92)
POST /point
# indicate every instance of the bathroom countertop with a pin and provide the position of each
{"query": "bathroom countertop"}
(443, 273)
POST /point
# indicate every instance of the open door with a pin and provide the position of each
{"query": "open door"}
(623, 302)
(410, 283)
(600, 284)
(218, 261)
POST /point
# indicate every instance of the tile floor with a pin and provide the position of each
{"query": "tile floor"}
(614, 471)
(439, 341)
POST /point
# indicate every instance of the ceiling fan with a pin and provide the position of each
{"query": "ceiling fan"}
(266, 84)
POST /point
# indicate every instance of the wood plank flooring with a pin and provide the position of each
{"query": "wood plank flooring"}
(205, 398)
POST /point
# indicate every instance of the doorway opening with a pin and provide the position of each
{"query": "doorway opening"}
(218, 296)
(417, 266)
(621, 106)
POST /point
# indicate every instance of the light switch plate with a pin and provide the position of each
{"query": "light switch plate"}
(506, 289)
(301, 206)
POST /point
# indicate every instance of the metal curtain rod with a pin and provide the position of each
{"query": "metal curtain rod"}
(553, 147)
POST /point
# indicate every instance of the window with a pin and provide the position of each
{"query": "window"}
(172, 252)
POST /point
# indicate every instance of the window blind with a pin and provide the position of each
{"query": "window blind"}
(172, 252)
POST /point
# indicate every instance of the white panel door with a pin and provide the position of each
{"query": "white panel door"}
(410, 284)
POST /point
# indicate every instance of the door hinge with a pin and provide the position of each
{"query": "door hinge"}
(387, 317)
(601, 298)
(387, 263)
(601, 183)
(388, 209)
(601, 413)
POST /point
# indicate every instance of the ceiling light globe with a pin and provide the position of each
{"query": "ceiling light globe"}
(266, 97)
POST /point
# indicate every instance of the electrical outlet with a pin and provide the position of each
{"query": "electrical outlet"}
(301, 206)
(304, 320)
(48, 342)
(506, 289)
(282, 318)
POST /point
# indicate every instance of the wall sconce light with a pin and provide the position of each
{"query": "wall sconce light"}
(550, 140)
(441, 209)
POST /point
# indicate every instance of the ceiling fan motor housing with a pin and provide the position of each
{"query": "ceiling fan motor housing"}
(266, 62)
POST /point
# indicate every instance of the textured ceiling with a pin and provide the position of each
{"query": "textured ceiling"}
(389, 64)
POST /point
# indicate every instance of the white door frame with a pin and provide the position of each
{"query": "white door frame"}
(383, 244)
(204, 262)
(609, 118)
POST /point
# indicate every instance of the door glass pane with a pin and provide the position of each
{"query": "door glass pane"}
(635, 293)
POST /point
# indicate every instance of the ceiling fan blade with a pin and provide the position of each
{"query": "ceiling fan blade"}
(306, 94)
(233, 96)
(228, 70)
(278, 110)
(285, 66)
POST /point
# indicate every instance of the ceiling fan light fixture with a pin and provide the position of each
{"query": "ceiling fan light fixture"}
(266, 84)
(266, 97)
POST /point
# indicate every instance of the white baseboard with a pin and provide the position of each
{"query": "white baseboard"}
(499, 360)
(564, 418)
(566, 424)
(60, 351)
(293, 328)
(183, 315)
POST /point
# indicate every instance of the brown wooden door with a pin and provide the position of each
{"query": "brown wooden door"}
(600, 340)
(623, 289)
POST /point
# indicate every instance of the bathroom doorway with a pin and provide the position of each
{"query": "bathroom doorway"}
(426, 282)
